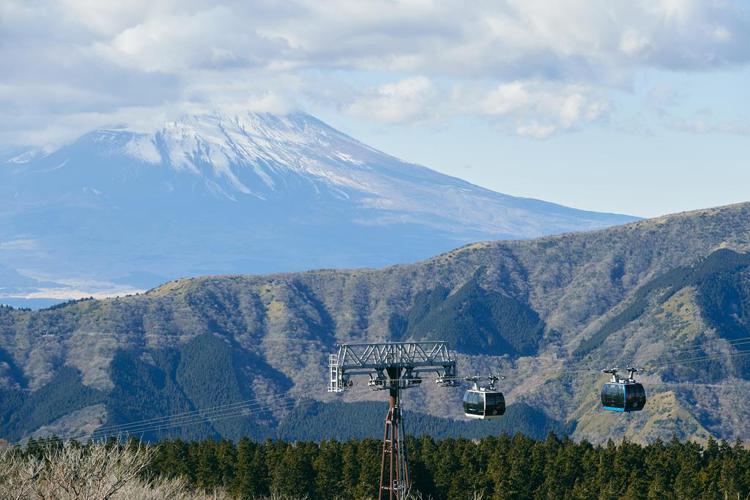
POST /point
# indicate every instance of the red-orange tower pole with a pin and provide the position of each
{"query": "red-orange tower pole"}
(394, 480)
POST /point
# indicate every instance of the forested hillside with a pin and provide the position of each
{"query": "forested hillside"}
(547, 313)
(493, 467)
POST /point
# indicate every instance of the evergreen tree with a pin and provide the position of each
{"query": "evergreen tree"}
(327, 468)
(495, 467)
(226, 456)
(207, 474)
(246, 484)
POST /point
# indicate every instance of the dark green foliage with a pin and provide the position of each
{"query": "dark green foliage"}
(493, 467)
(62, 395)
(618, 271)
(664, 286)
(206, 372)
(11, 397)
(10, 401)
(209, 374)
(426, 302)
(146, 390)
(314, 421)
(9, 369)
(724, 300)
(475, 320)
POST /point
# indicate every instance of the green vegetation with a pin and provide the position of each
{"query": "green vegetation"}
(10, 401)
(706, 274)
(147, 390)
(61, 396)
(9, 369)
(314, 421)
(503, 467)
(495, 467)
(209, 374)
(473, 320)
(201, 341)
(203, 373)
(724, 300)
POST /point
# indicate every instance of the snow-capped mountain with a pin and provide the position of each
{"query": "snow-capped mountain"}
(239, 194)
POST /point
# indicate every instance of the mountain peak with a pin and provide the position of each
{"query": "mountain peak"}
(295, 127)
(247, 193)
(259, 145)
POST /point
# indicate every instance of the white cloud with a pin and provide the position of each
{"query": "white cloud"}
(542, 109)
(406, 100)
(181, 42)
(105, 58)
(528, 108)
(633, 43)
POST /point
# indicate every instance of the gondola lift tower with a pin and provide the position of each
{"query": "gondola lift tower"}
(392, 366)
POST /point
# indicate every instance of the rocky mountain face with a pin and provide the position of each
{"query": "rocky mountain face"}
(671, 295)
(256, 193)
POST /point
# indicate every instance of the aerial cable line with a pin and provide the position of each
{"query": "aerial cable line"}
(699, 359)
(674, 362)
(201, 414)
(707, 357)
(205, 420)
(178, 420)
(687, 350)
(167, 418)
(252, 405)
(198, 419)
(96, 434)
(718, 340)
(257, 400)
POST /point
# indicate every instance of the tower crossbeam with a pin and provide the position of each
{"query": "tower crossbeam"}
(392, 366)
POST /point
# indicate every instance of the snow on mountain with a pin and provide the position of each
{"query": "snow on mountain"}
(249, 193)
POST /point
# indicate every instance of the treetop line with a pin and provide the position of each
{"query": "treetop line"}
(493, 467)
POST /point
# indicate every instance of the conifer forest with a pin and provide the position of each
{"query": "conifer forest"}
(502, 467)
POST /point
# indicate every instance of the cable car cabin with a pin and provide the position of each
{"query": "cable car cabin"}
(623, 395)
(484, 404)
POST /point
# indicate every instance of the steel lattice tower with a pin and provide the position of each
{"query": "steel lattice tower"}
(392, 366)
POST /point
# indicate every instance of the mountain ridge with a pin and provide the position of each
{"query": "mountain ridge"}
(290, 322)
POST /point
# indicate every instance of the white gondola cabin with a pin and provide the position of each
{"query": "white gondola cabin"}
(484, 403)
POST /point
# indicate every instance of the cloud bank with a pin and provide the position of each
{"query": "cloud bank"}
(533, 67)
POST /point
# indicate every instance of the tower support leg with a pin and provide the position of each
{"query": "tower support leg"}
(394, 469)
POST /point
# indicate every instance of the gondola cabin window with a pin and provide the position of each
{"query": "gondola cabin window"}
(495, 404)
(613, 396)
(473, 403)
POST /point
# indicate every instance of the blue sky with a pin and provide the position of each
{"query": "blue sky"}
(642, 160)
(619, 105)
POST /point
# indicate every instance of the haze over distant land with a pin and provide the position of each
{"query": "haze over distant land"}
(118, 211)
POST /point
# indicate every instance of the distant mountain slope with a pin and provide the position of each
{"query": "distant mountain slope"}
(254, 193)
(320, 421)
(548, 313)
